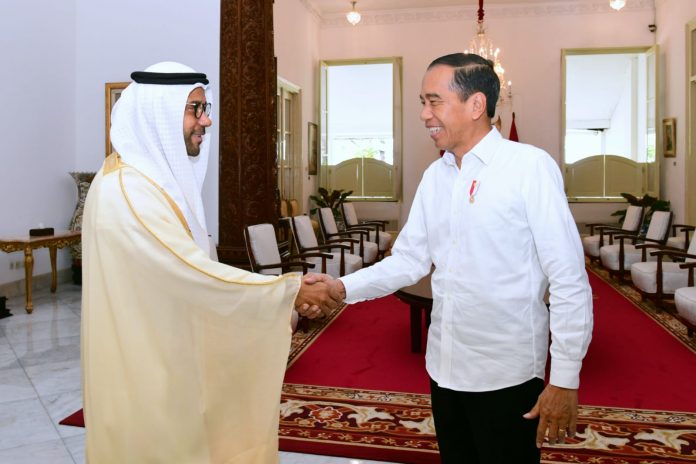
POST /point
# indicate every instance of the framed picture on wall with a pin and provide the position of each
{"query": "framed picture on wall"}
(669, 137)
(312, 148)
(112, 93)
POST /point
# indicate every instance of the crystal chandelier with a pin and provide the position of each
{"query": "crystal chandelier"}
(353, 17)
(617, 4)
(481, 45)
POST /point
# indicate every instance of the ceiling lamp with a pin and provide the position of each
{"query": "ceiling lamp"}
(617, 4)
(353, 16)
(481, 45)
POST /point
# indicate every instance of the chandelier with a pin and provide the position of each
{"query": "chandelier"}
(353, 17)
(617, 4)
(481, 45)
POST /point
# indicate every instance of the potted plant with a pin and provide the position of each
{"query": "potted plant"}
(331, 200)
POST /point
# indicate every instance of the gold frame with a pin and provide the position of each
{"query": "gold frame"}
(112, 91)
(669, 137)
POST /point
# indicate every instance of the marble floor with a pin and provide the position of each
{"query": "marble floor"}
(40, 383)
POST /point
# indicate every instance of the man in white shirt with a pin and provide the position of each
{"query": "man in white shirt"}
(492, 216)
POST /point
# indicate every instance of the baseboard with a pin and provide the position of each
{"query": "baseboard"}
(40, 281)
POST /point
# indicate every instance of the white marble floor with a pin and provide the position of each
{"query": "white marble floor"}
(40, 383)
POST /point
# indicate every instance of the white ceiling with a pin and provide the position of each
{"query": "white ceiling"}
(340, 6)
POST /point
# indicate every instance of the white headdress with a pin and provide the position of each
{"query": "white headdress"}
(147, 131)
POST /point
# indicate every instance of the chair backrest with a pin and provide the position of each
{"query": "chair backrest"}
(293, 207)
(349, 216)
(659, 225)
(262, 248)
(691, 250)
(328, 222)
(303, 232)
(633, 218)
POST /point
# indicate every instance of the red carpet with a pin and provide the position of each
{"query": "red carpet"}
(632, 362)
(368, 346)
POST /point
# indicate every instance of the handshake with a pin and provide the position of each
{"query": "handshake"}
(319, 294)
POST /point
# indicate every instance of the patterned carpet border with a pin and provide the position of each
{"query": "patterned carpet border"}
(662, 317)
(375, 424)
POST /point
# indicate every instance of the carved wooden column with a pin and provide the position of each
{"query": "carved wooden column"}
(248, 170)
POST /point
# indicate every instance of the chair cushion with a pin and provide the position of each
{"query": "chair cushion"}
(609, 255)
(644, 277)
(370, 249)
(349, 214)
(685, 299)
(633, 217)
(590, 244)
(304, 233)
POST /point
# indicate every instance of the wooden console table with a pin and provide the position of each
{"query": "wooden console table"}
(28, 244)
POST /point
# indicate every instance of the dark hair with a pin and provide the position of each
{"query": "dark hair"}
(472, 73)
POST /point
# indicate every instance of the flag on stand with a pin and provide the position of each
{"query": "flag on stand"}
(513, 130)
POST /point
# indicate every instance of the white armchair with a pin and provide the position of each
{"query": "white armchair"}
(375, 228)
(660, 279)
(602, 234)
(685, 300)
(368, 251)
(680, 241)
(618, 258)
(337, 263)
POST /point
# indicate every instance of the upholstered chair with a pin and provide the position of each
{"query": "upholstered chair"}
(619, 257)
(602, 234)
(340, 259)
(678, 240)
(660, 279)
(375, 228)
(264, 258)
(685, 300)
(368, 251)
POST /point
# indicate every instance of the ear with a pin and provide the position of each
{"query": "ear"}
(478, 105)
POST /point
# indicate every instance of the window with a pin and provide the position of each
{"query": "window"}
(288, 140)
(609, 123)
(361, 128)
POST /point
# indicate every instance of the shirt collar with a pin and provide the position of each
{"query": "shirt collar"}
(484, 150)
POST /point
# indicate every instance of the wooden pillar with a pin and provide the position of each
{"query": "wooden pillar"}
(248, 190)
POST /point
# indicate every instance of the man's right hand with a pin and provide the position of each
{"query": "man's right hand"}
(318, 293)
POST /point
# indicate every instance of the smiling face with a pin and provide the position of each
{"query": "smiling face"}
(453, 124)
(194, 128)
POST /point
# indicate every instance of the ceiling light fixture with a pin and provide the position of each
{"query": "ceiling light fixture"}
(617, 4)
(353, 16)
(481, 45)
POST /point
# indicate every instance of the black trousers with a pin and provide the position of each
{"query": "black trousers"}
(486, 427)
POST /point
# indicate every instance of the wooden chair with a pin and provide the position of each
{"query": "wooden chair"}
(685, 300)
(680, 241)
(659, 280)
(619, 258)
(602, 234)
(368, 251)
(338, 263)
(377, 229)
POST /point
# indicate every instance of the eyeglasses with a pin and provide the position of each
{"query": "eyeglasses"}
(199, 108)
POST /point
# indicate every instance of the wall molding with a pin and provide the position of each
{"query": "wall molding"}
(468, 13)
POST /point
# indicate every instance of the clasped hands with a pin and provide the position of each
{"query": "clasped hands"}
(319, 294)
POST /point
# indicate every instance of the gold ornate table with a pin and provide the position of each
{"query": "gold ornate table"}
(27, 244)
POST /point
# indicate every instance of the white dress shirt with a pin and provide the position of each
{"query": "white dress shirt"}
(497, 244)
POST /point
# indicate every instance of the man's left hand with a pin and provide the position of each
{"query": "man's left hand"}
(557, 409)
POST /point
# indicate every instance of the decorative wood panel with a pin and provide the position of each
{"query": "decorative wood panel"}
(248, 172)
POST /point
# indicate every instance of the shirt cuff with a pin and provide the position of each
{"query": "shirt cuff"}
(565, 373)
(352, 282)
